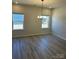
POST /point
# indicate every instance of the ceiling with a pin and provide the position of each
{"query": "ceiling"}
(46, 3)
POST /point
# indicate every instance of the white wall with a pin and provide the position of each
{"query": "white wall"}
(32, 25)
(59, 22)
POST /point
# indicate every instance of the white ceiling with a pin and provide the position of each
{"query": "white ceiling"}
(47, 3)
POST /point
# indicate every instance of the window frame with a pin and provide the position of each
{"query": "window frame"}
(48, 21)
(12, 21)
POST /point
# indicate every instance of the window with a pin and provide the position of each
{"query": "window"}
(45, 21)
(18, 20)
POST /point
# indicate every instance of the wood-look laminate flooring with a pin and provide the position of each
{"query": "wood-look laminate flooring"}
(39, 47)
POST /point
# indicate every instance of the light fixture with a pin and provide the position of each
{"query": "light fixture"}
(42, 8)
(40, 17)
(16, 2)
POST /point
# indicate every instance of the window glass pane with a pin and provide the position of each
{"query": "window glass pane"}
(45, 21)
(18, 20)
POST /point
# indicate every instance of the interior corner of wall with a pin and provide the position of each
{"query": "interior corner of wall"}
(58, 35)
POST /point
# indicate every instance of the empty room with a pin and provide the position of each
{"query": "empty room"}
(38, 29)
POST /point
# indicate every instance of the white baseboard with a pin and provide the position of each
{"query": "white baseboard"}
(59, 36)
(31, 35)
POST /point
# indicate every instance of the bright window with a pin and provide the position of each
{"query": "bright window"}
(45, 21)
(18, 20)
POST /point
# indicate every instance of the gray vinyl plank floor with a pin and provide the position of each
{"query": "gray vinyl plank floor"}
(39, 47)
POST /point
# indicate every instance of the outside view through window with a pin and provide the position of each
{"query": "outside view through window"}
(18, 20)
(45, 21)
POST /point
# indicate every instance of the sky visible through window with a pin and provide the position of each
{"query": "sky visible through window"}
(45, 21)
(18, 20)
